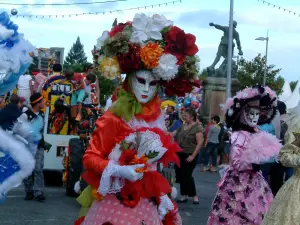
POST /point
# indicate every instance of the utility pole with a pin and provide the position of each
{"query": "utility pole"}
(229, 57)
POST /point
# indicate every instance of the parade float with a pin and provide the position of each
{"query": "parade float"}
(60, 127)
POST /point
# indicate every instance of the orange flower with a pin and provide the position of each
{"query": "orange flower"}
(98, 197)
(142, 160)
(150, 54)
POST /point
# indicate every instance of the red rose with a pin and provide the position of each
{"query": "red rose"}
(180, 44)
(118, 28)
(130, 61)
(127, 156)
(179, 87)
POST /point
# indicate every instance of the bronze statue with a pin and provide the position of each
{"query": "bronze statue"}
(223, 46)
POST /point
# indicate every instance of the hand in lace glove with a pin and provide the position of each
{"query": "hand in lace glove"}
(165, 205)
(128, 172)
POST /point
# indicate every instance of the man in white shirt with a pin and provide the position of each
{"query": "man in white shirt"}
(34, 184)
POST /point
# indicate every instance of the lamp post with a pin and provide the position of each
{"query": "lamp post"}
(266, 60)
(229, 57)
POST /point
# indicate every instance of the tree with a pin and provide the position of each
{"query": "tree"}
(106, 87)
(77, 68)
(203, 75)
(293, 85)
(252, 72)
(76, 54)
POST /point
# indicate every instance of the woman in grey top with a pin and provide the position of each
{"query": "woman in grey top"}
(211, 144)
(190, 138)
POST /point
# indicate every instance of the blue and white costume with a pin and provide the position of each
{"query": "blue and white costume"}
(16, 156)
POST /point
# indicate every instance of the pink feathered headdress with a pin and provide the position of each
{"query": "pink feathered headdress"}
(251, 93)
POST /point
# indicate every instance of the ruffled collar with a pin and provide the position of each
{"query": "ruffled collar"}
(150, 111)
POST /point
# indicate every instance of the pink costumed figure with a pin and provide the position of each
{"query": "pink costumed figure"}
(243, 195)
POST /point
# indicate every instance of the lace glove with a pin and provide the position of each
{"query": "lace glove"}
(112, 179)
(165, 206)
(128, 172)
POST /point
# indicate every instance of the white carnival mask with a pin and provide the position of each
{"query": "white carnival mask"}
(144, 85)
(251, 116)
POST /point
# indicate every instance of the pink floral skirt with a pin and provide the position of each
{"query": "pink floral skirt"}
(111, 210)
(243, 198)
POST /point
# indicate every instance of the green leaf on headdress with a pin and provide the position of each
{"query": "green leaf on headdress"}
(165, 30)
(189, 68)
(115, 45)
(127, 31)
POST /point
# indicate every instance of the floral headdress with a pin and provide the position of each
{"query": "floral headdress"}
(150, 43)
(257, 96)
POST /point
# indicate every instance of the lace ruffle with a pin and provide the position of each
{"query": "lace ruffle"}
(110, 183)
(150, 142)
(165, 205)
(134, 123)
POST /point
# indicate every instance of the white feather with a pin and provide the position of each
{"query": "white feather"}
(5, 33)
(21, 155)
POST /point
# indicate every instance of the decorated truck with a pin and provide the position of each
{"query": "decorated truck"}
(60, 126)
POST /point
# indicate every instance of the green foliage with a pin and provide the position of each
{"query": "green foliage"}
(76, 54)
(252, 72)
(77, 68)
(106, 87)
(293, 85)
(203, 75)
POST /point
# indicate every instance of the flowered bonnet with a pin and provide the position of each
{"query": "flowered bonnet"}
(258, 96)
(150, 43)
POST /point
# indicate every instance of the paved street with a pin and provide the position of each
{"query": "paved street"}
(62, 210)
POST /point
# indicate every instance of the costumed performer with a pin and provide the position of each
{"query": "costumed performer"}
(243, 195)
(131, 138)
(285, 206)
(16, 159)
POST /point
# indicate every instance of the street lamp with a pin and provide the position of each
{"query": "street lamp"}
(267, 45)
(229, 57)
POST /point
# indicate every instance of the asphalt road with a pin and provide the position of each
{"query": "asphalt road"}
(62, 210)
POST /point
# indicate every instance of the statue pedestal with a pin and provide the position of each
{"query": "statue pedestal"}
(214, 95)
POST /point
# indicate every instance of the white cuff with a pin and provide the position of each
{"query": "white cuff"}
(109, 184)
(165, 205)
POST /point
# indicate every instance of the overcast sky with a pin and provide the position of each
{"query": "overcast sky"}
(253, 18)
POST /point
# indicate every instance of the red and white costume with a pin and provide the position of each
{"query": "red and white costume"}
(131, 138)
(104, 152)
